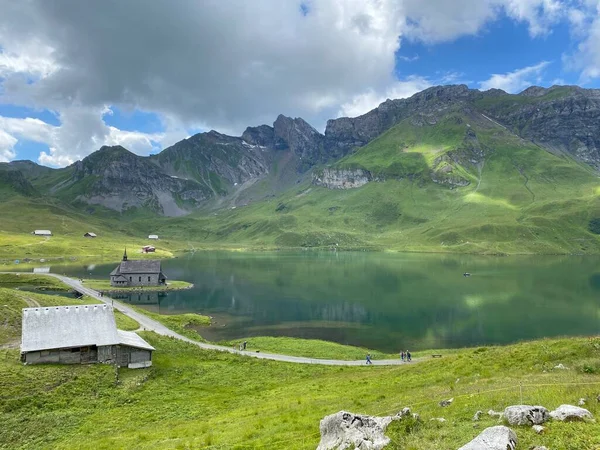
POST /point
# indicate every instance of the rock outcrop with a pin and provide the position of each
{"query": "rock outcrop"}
(570, 413)
(493, 438)
(526, 415)
(345, 430)
(332, 178)
(563, 118)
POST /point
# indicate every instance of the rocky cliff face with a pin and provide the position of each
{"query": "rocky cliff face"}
(118, 179)
(214, 160)
(561, 118)
(333, 178)
(346, 133)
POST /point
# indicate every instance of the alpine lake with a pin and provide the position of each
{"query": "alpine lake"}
(382, 301)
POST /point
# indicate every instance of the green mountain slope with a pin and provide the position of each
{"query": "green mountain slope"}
(459, 183)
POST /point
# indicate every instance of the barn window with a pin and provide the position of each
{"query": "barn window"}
(148, 279)
(140, 280)
(75, 350)
(130, 279)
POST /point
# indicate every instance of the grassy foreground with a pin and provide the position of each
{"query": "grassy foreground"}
(193, 398)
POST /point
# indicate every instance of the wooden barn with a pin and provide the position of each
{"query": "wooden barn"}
(89, 234)
(82, 334)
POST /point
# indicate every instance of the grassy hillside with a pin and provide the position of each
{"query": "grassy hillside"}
(21, 215)
(192, 398)
(454, 183)
(520, 199)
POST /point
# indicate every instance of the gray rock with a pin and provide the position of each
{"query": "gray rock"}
(570, 413)
(539, 447)
(477, 416)
(560, 367)
(445, 403)
(437, 419)
(345, 430)
(582, 402)
(405, 412)
(493, 438)
(526, 415)
(341, 178)
(538, 429)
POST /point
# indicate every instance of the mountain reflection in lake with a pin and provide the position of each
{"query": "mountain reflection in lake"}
(380, 301)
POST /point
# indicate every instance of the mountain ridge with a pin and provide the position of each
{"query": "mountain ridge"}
(210, 167)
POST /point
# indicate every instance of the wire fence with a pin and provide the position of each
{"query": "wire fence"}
(308, 440)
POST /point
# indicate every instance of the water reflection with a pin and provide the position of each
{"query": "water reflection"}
(383, 301)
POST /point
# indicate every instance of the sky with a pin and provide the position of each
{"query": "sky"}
(75, 76)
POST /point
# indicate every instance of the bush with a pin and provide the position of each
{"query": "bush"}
(594, 225)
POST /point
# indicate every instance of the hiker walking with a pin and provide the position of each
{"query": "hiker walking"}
(402, 355)
(408, 356)
(245, 344)
(369, 358)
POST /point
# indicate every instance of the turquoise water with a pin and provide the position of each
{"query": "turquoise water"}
(381, 301)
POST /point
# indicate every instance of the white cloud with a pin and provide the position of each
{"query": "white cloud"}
(7, 144)
(517, 80)
(586, 58)
(539, 14)
(370, 99)
(229, 67)
(82, 131)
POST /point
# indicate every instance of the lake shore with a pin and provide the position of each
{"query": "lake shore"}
(105, 287)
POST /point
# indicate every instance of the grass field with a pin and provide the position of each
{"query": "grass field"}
(193, 398)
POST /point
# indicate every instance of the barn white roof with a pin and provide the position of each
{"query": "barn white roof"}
(42, 232)
(131, 339)
(47, 328)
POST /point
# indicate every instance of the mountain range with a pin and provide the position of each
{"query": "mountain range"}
(534, 155)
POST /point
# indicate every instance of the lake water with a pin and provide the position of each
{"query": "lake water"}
(378, 300)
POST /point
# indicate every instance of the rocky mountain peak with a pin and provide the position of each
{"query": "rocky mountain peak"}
(263, 135)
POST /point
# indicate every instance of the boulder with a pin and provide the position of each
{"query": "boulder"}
(560, 367)
(493, 438)
(477, 416)
(570, 413)
(539, 447)
(438, 419)
(345, 430)
(445, 403)
(538, 429)
(581, 402)
(526, 415)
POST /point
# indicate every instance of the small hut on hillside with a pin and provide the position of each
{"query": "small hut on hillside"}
(153, 237)
(42, 233)
(89, 234)
(81, 334)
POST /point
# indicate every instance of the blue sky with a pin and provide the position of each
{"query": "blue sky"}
(190, 67)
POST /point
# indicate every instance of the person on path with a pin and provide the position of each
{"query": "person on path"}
(245, 344)
(369, 358)
(408, 356)
(402, 355)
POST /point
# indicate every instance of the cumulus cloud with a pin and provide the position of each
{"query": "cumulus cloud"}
(586, 58)
(370, 99)
(7, 144)
(224, 65)
(81, 131)
(517, 80)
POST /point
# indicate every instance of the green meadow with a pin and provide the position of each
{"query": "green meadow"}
(193, 398)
